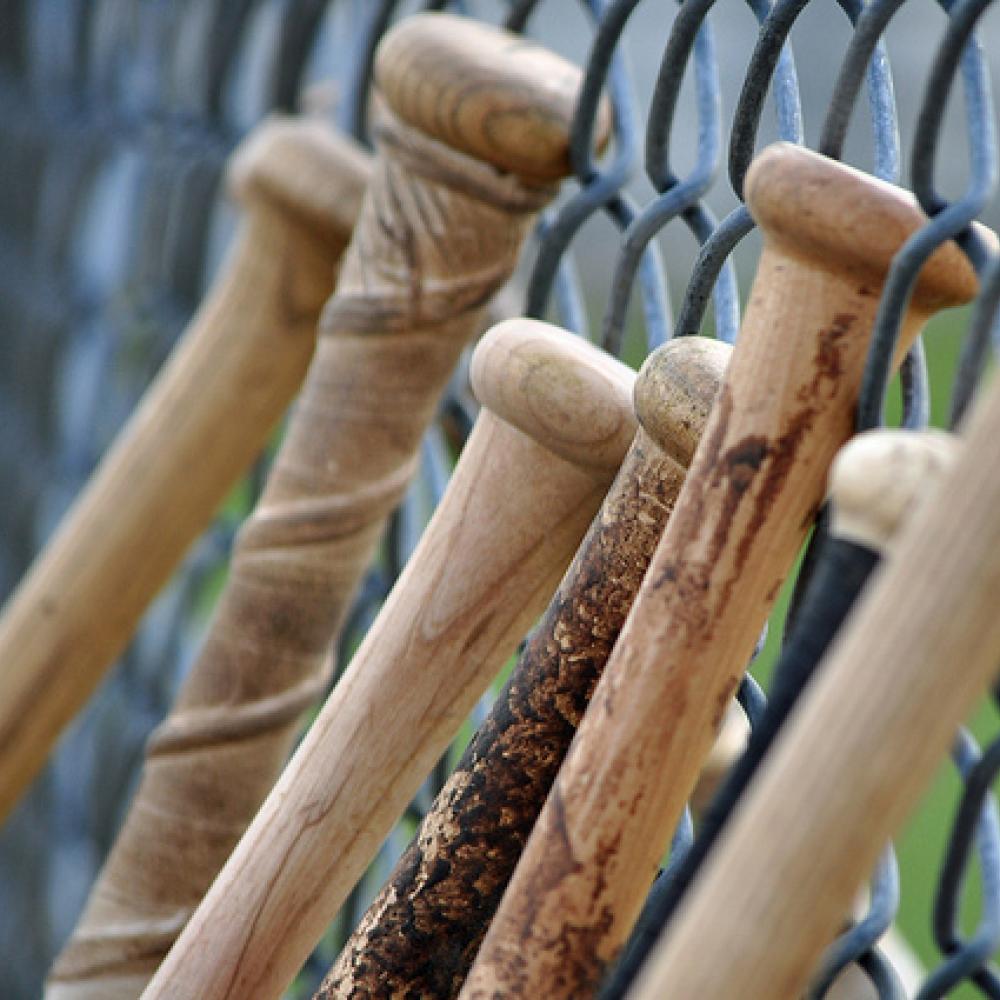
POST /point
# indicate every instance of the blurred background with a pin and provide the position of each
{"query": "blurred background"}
(116, 117)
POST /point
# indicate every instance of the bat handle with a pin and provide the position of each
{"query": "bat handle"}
(201, 423)
(440, 231)
(878, 481)
(830, 235)
(474, 584)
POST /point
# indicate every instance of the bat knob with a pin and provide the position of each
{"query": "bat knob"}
(675, 390)
(879, 476)
(847, 221)
(303, 170)
(560, 390)
(485, 92)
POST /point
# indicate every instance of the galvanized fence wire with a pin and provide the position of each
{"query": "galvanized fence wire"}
(120, 110)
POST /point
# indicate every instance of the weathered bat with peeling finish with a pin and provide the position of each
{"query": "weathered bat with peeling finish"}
(756, 480)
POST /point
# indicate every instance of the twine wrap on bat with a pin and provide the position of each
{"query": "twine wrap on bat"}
(757, 478)
(421, 933)
(439, 232)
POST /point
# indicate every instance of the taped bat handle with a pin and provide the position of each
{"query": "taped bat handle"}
(830, 235)
(877, 480)
(439, 232)
(200, 424)
(420, 934)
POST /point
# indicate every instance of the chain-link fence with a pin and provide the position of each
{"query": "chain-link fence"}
(116, 117)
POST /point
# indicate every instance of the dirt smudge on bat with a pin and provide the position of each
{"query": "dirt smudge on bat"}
(828, 367)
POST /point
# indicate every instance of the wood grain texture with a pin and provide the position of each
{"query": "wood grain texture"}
(439, 232)
(199, 426)
(918, 653)
(877, 479)
(420, 935)
(498, 97)
(757, 478)
(480, 575)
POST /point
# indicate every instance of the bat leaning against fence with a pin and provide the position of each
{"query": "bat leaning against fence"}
(876, 481)
(556, 422)
(857, 753)
(421, 933)
(462, 169)
(199, 426)
(757, 478)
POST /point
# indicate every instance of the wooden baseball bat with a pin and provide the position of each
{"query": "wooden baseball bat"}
(420, 935)
(919, 651)
(197, 429)
(556, 424)
(439, 232)
(875, 481)
(756, 481)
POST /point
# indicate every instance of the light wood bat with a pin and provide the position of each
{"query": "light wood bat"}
(556, 422)
(199, 426)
